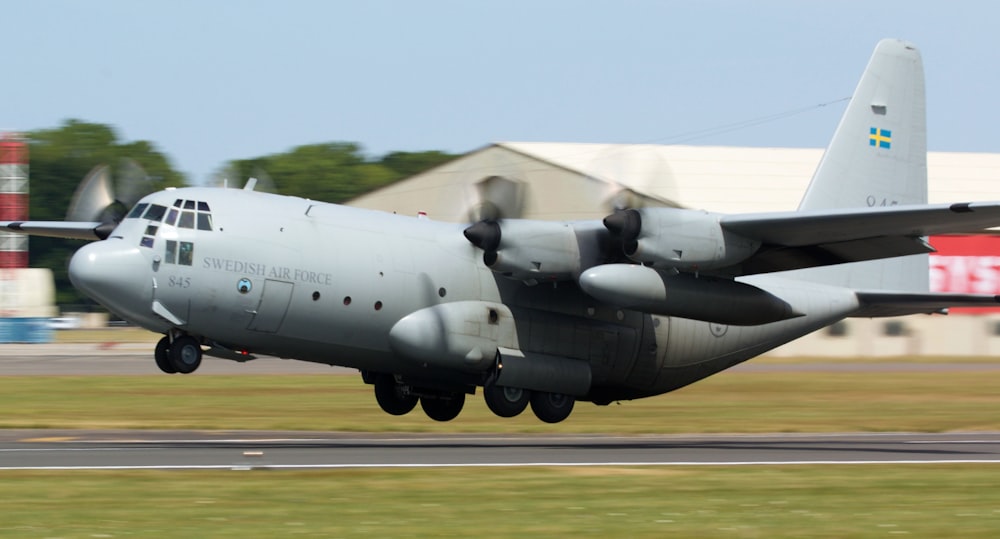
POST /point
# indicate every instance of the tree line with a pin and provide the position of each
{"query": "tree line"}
(61, 157)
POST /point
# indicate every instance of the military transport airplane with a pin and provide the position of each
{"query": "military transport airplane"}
(536, 313)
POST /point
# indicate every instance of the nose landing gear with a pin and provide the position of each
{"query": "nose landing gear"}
(181, 355)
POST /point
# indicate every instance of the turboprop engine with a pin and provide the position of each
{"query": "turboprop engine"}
(708, 299)
(527, 250)
(676, 238)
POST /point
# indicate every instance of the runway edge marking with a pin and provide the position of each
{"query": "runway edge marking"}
(248, 467)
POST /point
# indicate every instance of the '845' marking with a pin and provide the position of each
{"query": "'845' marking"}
(179, 282)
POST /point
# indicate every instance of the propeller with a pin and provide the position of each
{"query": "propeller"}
(498, 198)
(100, 198)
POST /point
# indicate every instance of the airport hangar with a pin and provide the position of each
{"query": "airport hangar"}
(569, 181)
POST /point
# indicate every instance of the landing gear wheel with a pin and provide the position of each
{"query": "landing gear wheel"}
(162, 356)
(443, 409)
(505, 401)
(185, 354)
(391, 397)
(551, 407)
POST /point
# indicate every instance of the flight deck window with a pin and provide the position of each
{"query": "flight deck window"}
(188, 204)
(170, 254)
(185, 255)
(178, 202)
(171, 217)
(203, 206)
(155, 212)
(204, 221)
(146, 242)
(186, 220)
(137, 211)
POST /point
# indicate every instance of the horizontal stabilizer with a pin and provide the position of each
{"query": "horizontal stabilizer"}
(74, 230)
(876, 304)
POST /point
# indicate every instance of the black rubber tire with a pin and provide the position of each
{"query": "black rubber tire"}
(505, 401)
(162, 356)
(443, 409)
(185, 354)
(551, 407)
(390, 397)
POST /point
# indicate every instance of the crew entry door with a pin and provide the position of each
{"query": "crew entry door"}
(274, 301)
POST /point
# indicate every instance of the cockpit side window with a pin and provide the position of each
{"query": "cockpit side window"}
(185, 255)
(137, 211)
(155, 212)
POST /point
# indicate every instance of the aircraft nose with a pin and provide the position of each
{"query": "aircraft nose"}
(112, 273)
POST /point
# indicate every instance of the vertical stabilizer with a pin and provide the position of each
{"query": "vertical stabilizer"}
(878, 157)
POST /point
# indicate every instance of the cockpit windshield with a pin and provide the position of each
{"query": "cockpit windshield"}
(193, 214)
(182, 214)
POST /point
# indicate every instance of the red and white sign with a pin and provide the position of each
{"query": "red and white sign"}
(966, 265)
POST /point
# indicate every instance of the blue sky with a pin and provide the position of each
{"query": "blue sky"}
(209, 81)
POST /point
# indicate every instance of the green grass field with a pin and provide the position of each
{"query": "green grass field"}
(729, 402)
(759, 502)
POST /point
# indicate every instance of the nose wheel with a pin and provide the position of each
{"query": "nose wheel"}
(183, 355)
(162, 356)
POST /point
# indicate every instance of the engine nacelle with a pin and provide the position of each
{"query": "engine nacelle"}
(464, 335)
(676, 238)
(527, 250)
(699, 298)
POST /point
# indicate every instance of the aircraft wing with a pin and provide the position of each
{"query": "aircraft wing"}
(793, 240)
(878, 303)
(76, 230)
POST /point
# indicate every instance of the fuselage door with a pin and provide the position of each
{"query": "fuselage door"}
(274, 301)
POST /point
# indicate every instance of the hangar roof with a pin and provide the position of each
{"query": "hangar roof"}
(741, 179)
(577, 180)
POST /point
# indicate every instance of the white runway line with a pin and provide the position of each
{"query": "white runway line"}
(246, 467)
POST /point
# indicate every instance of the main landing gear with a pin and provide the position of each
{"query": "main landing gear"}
(398, 398)
(182, 355)
(509, 402)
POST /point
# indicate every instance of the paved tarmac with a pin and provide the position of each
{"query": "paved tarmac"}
(137, 359)
(131, 359)
(131, 450)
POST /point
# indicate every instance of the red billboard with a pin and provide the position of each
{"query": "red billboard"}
(966, 265)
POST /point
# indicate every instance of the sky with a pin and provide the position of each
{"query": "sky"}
(211, 81)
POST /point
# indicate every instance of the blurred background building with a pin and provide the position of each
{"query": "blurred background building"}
(27, 295)
(587, 181)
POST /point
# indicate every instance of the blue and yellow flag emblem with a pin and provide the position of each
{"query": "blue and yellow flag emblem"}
(880, 138)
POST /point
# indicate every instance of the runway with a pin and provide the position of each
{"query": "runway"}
(161, 450)
(104, 359)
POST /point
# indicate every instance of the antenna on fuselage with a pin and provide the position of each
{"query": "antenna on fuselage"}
(251, 183)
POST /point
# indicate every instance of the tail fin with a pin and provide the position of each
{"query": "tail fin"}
(878, 157)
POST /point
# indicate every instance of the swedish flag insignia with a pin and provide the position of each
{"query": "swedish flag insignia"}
(880, 138)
